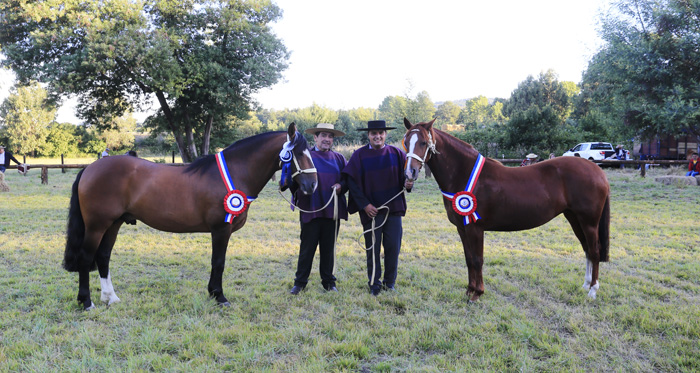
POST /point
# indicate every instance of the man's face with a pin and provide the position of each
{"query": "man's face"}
(324, 141)
(2, 150)
(377, 138)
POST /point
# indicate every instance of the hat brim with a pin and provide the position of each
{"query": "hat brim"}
(377, 129)
(314, 131)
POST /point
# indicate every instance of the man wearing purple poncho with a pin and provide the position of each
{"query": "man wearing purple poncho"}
(375, 178)
(320, 228)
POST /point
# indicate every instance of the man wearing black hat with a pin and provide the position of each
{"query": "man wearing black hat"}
(376, 180)
(5, 158)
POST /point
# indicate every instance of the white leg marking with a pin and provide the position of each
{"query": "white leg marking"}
(594, 289)
(108, 295)
(589, 275)
(92, 306)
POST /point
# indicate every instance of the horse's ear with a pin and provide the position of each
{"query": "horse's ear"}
(429, 125)
(292, 130)
(407, 123)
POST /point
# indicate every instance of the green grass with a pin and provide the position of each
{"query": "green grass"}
(534, 315)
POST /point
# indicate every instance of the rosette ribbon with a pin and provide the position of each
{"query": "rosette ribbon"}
(464, 203)
(235, 201)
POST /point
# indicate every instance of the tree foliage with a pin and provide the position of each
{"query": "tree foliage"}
(645, 77)
(25, 117)
(200, 59)
(537, 112)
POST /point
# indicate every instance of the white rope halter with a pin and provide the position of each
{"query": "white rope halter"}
(429, 149)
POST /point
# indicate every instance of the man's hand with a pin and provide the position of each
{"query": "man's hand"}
(337, 188)
(370, 210)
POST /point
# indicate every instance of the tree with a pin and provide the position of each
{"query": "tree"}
(447, 113)
(62, 139)
(537, 112)
(25, 118)
(200, 59)
(120, 133)
(645, 77)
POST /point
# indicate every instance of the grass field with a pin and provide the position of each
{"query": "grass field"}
(534, 315)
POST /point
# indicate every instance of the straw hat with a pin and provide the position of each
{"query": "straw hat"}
(325, 127)
(531, 156)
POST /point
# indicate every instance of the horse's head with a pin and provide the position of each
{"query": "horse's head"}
(301, 167)
(419, 144)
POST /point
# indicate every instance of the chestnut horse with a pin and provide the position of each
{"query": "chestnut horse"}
(122, 189)
(481, 194)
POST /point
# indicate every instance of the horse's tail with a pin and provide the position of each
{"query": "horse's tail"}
(604, 231)
(75, 231)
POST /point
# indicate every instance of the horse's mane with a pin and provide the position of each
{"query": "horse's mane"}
(203, 164)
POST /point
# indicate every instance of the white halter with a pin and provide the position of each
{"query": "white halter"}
(429, 149)
(287, 154)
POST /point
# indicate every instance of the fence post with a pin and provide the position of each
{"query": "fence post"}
(24, 161)
(63, 170)
(45, 175)
(173, 156)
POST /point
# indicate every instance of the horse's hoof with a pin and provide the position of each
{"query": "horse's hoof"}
(90, 307)
(225, 304)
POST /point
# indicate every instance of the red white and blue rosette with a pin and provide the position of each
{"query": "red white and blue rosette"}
(235, 202)
(464, 203)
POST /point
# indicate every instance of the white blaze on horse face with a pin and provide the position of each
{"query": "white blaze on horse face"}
(307, 153)
(108, 295)
(411, 147)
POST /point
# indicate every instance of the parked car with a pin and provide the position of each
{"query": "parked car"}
(591, 150)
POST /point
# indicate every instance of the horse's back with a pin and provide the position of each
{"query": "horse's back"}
(162, 196)
(518, 198)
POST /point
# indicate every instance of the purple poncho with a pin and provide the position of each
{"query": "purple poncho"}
(328, 167)
(379, 174)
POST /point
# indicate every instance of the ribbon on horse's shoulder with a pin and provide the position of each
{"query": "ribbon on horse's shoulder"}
(235, 201)
(464, 203)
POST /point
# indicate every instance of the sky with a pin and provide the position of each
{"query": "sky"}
(351, 54)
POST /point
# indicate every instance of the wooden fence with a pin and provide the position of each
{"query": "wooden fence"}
(642, 165)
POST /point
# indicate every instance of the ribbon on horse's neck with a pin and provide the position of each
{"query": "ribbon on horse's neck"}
(286, 157)
(235, 201)
(429, 149)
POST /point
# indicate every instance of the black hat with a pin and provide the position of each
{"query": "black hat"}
(376, 125)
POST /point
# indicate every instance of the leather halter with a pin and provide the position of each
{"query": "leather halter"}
(287, 152)
(429, 149)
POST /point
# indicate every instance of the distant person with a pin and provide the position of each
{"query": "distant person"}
(693, 165)
(5, 158)
(529, 159)
(552, 156)
(105, 153)
(620, 154)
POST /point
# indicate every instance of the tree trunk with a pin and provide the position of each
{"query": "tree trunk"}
(207, 135)
(171, 123)
(191, 148)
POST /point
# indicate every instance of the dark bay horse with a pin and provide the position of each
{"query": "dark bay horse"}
(481, 194)
(122, 189)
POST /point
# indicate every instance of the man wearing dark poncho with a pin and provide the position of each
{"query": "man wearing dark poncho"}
(375, 176)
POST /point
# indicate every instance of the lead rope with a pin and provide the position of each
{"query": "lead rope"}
(334, 199)
(373, 228)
